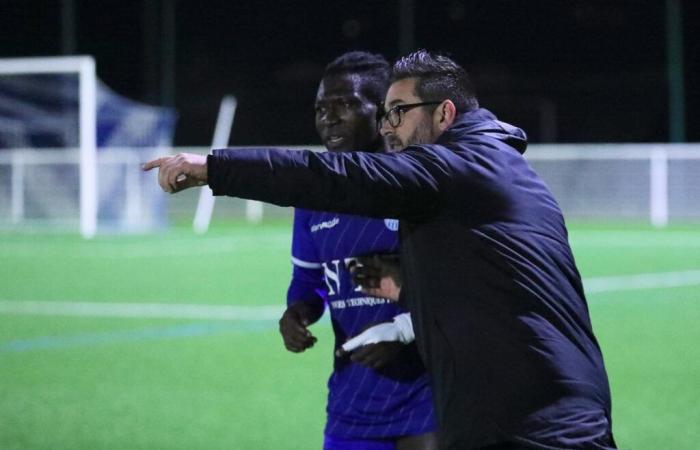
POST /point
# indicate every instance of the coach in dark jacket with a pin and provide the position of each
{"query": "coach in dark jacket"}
(497, 302)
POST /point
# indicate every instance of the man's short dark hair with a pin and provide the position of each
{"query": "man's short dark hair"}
(373, 69)
(439, 78)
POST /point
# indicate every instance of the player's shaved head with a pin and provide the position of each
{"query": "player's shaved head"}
(372, 69)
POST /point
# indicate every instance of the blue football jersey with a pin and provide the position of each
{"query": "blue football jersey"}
(362, 402)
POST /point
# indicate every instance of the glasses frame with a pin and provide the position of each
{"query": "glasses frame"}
(400, 110)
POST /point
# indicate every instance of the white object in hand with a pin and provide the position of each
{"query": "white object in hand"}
(400, 329)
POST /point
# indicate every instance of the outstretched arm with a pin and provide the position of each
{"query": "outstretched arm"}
(405, 185)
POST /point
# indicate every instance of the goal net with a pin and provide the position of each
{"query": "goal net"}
(71, 148)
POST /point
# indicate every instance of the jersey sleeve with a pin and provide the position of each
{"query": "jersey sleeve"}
(307, 272)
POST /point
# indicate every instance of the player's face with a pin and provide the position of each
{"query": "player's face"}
(416, 124)
(346, 120)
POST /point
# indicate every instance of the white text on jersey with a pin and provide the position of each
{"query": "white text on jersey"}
(325, 225)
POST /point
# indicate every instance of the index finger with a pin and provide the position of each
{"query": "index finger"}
(154, 163)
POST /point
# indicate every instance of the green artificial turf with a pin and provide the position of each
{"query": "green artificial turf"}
(86, 382)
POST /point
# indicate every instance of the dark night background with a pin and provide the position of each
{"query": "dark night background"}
(565, 70)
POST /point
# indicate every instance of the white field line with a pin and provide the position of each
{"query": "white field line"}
(216, 245)
(143, 310)
(635, 239)
(274, 312)
(642, 281)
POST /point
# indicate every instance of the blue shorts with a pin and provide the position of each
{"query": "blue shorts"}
(336, 443)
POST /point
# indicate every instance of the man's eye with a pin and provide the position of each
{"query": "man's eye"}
(321, 109)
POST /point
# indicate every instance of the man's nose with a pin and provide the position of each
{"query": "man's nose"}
(330, 117)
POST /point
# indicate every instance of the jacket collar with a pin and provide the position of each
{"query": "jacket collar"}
(483, 122)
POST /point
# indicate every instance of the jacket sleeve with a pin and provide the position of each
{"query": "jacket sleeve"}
(404, 185)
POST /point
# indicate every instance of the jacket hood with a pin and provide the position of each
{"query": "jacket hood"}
(482, 122)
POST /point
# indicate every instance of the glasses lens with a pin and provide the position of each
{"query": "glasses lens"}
(394, 116)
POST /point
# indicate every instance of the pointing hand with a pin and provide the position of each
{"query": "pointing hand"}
(181, 171)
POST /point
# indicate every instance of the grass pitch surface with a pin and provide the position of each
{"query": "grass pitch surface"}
(115, 343)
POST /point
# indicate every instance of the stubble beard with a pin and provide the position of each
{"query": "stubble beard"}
(423, 134)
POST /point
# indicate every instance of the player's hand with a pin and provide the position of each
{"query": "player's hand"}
(378, 275)
(180, 171)
(379, 344)
(376, 356)
(293, 327)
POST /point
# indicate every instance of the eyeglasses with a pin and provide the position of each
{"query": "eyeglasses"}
(394, 115)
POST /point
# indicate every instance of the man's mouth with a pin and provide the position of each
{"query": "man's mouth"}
(394, 144)
(335, 141)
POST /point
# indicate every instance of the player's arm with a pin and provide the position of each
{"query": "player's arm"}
(307, 290)
(305, 306)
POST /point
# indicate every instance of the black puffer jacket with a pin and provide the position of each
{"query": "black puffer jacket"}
(497, 302)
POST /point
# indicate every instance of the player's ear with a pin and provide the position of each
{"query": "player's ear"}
(444, 115)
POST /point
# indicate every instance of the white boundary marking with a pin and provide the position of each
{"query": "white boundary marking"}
(632, 238)
(143, 310)
(642, 281)
(595, 285)
(154, 249)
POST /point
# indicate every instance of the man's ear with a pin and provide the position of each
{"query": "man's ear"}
(444, 115)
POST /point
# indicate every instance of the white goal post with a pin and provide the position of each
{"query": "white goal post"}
(84, 68)
(222, 133)
(658, 167)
